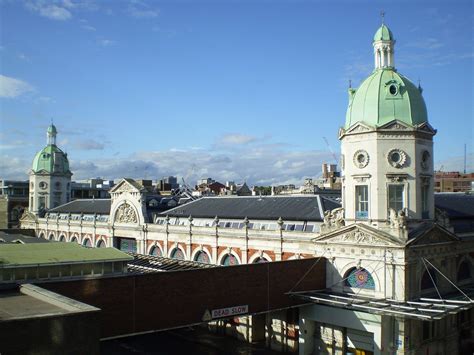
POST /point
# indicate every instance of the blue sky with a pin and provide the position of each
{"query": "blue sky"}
(235, 90)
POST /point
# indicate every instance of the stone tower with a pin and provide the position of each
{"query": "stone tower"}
(50, 177)
(387, 147)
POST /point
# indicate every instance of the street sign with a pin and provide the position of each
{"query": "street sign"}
(229, 311)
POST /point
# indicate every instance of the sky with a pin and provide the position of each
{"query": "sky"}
(233, 90)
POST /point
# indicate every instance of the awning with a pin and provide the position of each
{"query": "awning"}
(150, 263)
(423, 308)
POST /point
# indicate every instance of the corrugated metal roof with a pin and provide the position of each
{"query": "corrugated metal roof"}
(149, 263)
(294, 208)
(86, 206)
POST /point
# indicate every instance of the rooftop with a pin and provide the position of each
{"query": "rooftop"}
(12, 255)
(294, 208)
(86, 206)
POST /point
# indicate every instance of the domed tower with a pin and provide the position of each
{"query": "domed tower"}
(387, 147)
(50, 177)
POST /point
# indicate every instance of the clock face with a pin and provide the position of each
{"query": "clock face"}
(43, 185)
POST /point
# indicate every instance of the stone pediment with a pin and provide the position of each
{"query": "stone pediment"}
(359, 234)
(359, 127)
(426, 127)
(126, 185)
(431, 234)
(396, 126)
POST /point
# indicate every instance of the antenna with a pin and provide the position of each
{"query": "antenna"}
(464, 158)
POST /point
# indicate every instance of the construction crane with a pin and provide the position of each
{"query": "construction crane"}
(330, 149)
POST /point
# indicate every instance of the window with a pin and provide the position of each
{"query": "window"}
(177, 254)
(42, 202)
(425, 211)
(464, 272)
(202, 257)
(87, 243)
(395, 197)
(101, 244)
(427, 281)
(229, 259)
(359, 278)
(155, 251)
(362, 201)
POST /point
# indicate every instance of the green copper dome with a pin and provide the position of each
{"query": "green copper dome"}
(52, 129)
(51, 160)
(383, 97)
(383, 34)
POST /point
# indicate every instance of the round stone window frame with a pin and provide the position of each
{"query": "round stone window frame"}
(361, 158)
(397, 158)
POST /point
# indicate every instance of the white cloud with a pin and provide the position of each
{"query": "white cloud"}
(89, 144)
(88, 28)
(11, 87)
(235, 139)
(141, 10)
(107, 42)
(49, 9)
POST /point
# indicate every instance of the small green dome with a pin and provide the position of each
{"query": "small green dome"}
(51, 160)
(383, 34)
(383, 97)
(52, 129)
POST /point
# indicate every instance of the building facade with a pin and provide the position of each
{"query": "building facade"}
(389, 252)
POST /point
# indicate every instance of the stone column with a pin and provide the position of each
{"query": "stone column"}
(215, 248)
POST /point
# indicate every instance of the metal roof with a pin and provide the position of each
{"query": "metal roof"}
(86, 206)
(20, 238)
(456, 205)
(423, 308)
(149, 263)
(294, 208)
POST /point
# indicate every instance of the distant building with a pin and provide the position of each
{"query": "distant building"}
(93, 188)
(453, 181)
(13, 201)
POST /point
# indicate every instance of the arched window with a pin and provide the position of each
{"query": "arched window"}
(41, 235)
(229, 259)
(202, 257)
(177, 254)
(426, 281)
(62, 238)
(260, 260)
(51, 236)
(359, 278)
(101, 244)
(155, 251)
(464, 272)
(87, 243)
(73, 240)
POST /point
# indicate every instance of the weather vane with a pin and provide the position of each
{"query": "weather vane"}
(382, 15)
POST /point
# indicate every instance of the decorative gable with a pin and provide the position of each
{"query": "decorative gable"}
(359, 127)
(359, 234)
(434, 235)
(395, 125)
(426, 127)
(126, 185)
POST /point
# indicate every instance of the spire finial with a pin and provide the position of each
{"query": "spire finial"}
(350, 84)
(382, 16)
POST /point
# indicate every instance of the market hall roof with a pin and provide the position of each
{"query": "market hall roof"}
(86, 206)
(291, 208)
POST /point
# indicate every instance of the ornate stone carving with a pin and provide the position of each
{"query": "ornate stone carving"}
(442, 218)
(125, 188)
(333, 219)
(126, 214)
(361, 158)
(359, 237)
(397, 158)
(396, 219)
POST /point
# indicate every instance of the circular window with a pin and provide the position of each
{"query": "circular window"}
(361, 159)
(425, 159)
(393, 89)
(397, 158)
(43, 185)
